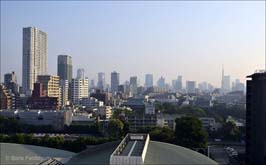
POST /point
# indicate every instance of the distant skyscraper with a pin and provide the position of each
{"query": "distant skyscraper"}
(101, 81)
(179, 83)
(225, 86)
(256, 119)
(161, 82)
(92, 84)
(81, 73)
(64, 67)
(191, 86)
(148, 80)
(114, 81)
(34, 57)
(133, 83)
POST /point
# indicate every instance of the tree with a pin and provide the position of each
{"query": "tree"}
(230, 131)
(162, 134)
(115, 128)
(190, 133)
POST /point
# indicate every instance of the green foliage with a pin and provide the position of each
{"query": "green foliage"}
(54, 142)
(11, 125)
(190, 133)
(230, 131)
(115, 128)
(164, 134)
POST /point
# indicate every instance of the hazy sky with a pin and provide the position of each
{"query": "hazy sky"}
(192, 39)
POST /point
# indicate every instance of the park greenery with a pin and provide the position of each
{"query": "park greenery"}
(58, 142)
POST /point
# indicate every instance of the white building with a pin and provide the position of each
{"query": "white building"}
(79, 89)
(91, 102)
(57, 119)
(34, 57)
(64, 88)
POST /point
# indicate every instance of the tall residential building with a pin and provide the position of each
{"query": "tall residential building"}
(161, 82)
(34, 57)
(80, 73)
(114, 81)
(50, 85)
(191, 86)
(101, 81)
(64, 67)
(148, 80)
(255, 119)
(64, 87)
(133, 85)
(79, 88)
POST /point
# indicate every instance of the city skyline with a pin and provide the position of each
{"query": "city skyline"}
(137, 57)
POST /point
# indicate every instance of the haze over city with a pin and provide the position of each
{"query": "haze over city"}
(192, 39)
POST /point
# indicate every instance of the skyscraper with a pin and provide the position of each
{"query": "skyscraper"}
(34, 57)
(64, 67)
(114, 81)
(255, 119)
(133, 85)
(191, 86)
(101, 81)
(225, 85)
(80, 73)
(148, 80)
(161, 82)
(179, 83)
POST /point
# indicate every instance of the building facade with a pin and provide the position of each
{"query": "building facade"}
(255, 119)
(148, 80)
(64, 67)
(114, 81)
(34, 57)
(101, 81)
(79, 88)
(191, 86)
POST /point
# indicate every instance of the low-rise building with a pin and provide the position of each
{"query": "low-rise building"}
(105, 112)
(56, 119)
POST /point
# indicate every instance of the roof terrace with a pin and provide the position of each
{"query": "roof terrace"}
(131, 150)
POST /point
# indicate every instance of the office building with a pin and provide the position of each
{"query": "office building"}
(179, 83)
(255, 119)
(79, 89)
(80, 73)
(191, 86)
(10, 81)
(133, 85)
(225, 86)
(34, 57)
(101, 81)
(161, 82)
(148, 80)
(56, 119)
(114, 81)
(64, 67)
